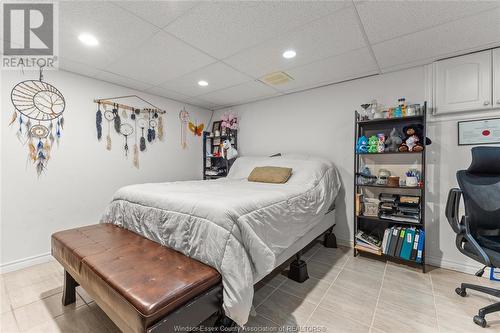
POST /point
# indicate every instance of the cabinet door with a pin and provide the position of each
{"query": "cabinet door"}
(496, 78)
(463, 83)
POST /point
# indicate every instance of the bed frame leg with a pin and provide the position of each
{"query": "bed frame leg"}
(69, 290)
(298, 270)
(225, 324)
(330, 239)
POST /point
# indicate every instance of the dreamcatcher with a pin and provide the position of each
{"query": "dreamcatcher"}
(184, 118)
(126, 130)
(146, 125)
(40, 107)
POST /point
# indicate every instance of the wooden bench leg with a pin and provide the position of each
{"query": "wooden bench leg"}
(69, 290)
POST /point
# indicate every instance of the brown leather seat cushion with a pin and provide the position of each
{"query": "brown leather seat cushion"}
(154, 279)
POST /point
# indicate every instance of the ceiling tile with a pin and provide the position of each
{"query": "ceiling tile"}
(122, 80)
(76, 67)
(467, 34)
(223, 28)
(334, 69)
(242, 93)
(218, 76)
(159, 59)
(116, 29)
(384, 20)
(159, 13)
(331, 35)
(160, 91)
(202, 103)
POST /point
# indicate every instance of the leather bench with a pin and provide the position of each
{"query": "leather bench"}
(141, 285)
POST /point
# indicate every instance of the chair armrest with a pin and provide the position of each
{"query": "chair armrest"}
(461, 226)
(451, 212)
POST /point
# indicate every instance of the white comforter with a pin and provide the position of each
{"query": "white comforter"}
(235, 226)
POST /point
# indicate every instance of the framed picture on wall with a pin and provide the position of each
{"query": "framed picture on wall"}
(216, 126)
(479, 132)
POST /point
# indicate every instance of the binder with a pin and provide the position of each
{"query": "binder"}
(394, 240)
(407, 243)
(389, 236)
(420, 248)
(384, 241)
(414, 248)
(401, 239)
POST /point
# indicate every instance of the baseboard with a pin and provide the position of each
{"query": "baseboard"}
(345, 243)
(26, 262)
(453, 265)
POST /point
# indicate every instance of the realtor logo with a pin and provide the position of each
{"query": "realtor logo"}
(29, 35)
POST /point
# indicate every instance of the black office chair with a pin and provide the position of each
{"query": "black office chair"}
(478, 231)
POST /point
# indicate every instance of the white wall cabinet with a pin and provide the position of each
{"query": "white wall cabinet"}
(496, 78)
(464, 83)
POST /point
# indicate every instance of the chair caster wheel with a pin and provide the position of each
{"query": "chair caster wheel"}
(461, 292)
(479, 321)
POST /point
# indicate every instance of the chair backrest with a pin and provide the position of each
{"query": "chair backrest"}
(480, 185)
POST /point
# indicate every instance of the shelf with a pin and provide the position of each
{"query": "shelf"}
(378, 219)
(375, 224)
(392, 153)
(383, 255)
(391, 120)
(394, 187)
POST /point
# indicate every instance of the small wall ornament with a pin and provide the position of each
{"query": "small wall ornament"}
(184, 119)
(39, 108)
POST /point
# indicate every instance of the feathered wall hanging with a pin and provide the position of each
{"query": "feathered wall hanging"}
(184, 118)
(39, 108)
(146, 125)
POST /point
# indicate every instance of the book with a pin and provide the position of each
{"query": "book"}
(394, 240)
(401, 218)
(370, 239)
(420, 248)
(407, 244)
(413, 255)
(367, 245)
(366, 249)
(359, 199)
(400, 242)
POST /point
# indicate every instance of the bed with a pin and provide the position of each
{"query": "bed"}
(243, 229)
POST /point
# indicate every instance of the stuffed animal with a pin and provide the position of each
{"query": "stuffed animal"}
(230, 151)
(413, 138)
(362, 145)
(381, 143)
(372, 144)
(393, 141)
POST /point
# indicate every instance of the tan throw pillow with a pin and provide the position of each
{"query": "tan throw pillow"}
(270, 174)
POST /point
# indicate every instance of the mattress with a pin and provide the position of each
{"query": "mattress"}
(240, 228)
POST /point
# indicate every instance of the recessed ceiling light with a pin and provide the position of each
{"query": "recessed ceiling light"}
(202, 83)
(289, 54)
(88, 39)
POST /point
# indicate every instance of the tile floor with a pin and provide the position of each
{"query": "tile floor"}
(343, 294)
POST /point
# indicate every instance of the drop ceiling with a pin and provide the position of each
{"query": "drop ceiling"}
(165, 48)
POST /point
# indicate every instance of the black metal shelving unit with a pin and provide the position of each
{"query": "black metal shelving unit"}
(377, 224)
(212, 162)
